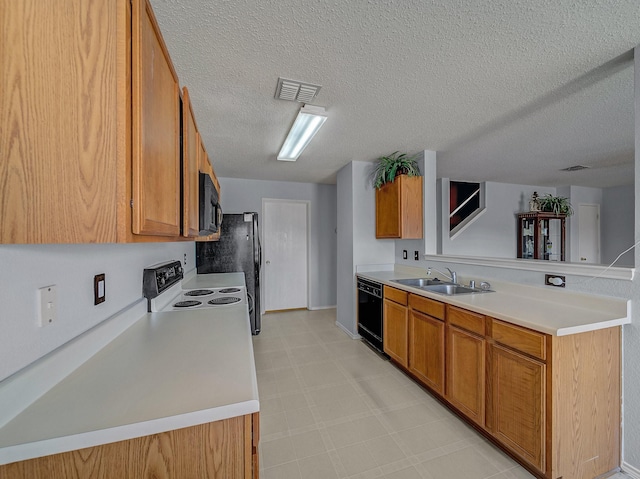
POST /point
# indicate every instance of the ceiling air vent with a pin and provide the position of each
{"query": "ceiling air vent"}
(292, 90)
(575, 168)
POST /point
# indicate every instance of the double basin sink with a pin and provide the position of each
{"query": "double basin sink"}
(437, 286)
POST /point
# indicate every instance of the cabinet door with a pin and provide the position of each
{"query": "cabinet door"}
(189, 168)
(426, 350)
(465, 387)
(156, 129)
(395, 331)
(518, 393)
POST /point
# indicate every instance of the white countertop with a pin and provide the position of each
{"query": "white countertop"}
(558, 313)
(167, 371)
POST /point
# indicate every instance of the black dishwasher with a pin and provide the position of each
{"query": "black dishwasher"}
(370, 312)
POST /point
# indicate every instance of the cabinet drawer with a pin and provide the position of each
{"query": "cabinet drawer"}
(525, 340)
(427, 306)
(395, 295)
(464, 319)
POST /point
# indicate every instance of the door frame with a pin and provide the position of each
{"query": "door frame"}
(264, 239)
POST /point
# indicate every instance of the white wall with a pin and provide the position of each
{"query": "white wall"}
(240, 195)
(631, 345)
(616, 227)
(345, 312)
(71, 268)
(494, 232)
(357, 241)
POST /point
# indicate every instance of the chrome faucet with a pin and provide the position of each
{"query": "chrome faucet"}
(452, 274)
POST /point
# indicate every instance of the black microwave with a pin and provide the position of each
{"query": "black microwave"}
(210, 211)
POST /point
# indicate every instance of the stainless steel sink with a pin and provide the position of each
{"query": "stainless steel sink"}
(440, 287)
(421, 282)
(451, 289)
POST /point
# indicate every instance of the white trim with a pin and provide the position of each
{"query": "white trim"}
(630, 470)
(349, 333)
(552, 267)
(317, 308)
(468, 221)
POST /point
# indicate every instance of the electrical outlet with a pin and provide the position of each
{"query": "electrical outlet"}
(554, 280)
(404, 254)
(416, 255)
(48, 300)
(99, 287)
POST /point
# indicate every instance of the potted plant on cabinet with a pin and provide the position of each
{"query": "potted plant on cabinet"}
(395, 164)
(398, 184)
(558, 205)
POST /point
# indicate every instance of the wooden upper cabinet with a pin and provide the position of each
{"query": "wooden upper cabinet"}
(399, 208)
(61, 113)
(206, 168)
(156, 129)
(190, 149)
(90, 136)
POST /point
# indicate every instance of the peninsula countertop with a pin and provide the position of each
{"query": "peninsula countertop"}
(543, 309)
(167, 371)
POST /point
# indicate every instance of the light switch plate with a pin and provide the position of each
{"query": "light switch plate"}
(48, 300)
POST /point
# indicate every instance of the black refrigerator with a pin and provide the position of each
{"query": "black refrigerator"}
(237, 250)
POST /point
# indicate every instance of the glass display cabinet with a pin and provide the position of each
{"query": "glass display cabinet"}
(541, 235)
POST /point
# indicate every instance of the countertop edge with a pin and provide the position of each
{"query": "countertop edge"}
(46, 447)
(615, 320)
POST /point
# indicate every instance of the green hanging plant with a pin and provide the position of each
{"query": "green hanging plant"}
(390, 166)
(558, 205)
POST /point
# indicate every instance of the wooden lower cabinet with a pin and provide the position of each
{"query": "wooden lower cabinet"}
(465, 387)
(224, 449)
(552, 402)
(426, 350)
(395, 335)
(518, 396)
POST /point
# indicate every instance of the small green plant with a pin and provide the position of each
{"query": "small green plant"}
(558, 205)
(390, 166)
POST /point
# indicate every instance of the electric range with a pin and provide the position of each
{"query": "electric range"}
(165, 290)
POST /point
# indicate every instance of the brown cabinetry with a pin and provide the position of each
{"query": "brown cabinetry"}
(190, 168)
(156, 129)
(466, 351)
(399, 208)
(91, 138)
(395, 335)
(518, 396)
(218, 450)
(206, 168)
(426, 341)
(551, 401)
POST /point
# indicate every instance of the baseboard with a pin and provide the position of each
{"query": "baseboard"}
(349, 333)
(316, 308)
(630, 470)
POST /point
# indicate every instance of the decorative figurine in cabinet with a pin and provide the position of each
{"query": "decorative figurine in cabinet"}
(541, 235)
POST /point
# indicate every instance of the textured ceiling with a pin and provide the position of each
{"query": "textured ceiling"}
(504, 90)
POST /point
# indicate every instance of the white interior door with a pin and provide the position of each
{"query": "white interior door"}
(285, 255)
(589, 233)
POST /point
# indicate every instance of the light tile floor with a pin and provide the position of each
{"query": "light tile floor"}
(331, 408)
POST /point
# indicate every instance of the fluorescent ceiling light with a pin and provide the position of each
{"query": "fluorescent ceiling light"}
(307, 124)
